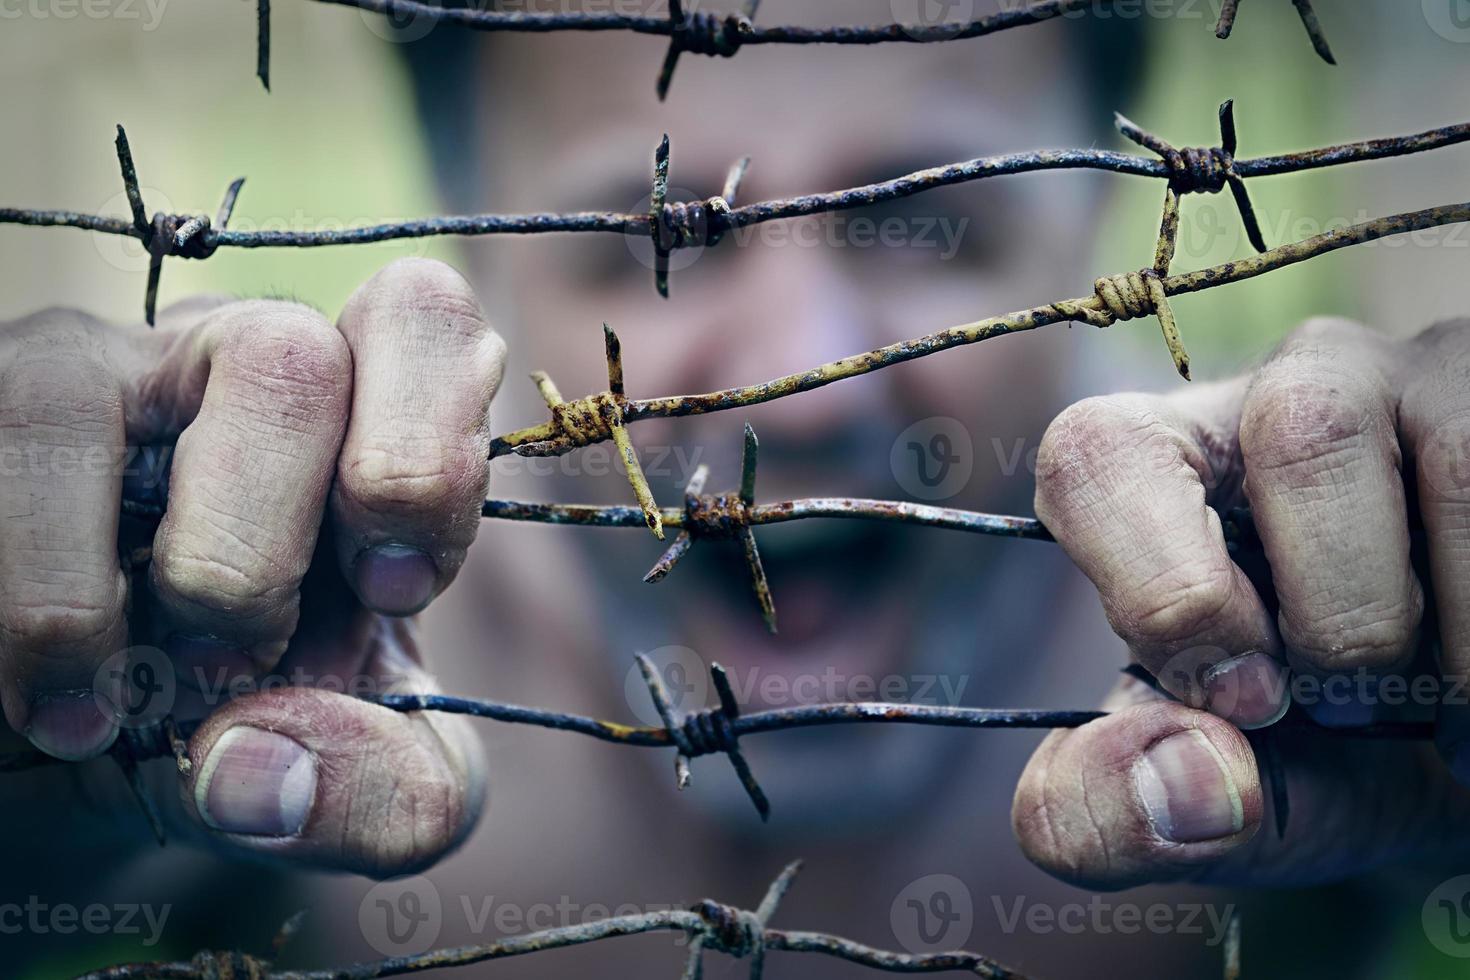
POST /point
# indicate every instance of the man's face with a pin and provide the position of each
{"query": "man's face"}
(575, 127)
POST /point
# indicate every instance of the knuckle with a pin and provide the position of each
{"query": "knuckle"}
(1094, 440)
(1326, 332)
(1089, 434)
(434, 294)
(59, 391)
(293, 355)
(1304, 424)
(408, 467)
(1177, 607)
(244, 586)
(1369, 635)
(85, 617)
(1445, 333)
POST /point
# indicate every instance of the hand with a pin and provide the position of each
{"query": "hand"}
(325, 482)
(1340, 444)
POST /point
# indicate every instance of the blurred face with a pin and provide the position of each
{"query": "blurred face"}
(866, 611)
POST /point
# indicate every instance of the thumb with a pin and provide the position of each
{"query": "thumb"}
(1158, 791)
(320, 778)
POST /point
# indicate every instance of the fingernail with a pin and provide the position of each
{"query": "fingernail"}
(395, 580)
(256, 782)
(207, 664)
(1186, 790)
(1250, 690)
(70, 725)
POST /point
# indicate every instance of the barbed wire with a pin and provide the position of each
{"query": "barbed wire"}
(697, 31)
(713, 730)
(675, 225)
(606, 415)
(710, 926)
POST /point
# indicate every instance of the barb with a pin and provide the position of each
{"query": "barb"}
(673, 225)
(1228, 9)
(1115, 298)
(167, 234)
(718, 730)
(723, 35)
(733, 517)
(710, 926)
(594, 419)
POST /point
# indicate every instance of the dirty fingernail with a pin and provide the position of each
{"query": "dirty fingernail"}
(256, 782)
(1250, 690)
(70, 725)
(1187, 791)
(395, 580)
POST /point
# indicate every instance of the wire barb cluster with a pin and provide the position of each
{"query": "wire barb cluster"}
(710, 926)
(716, 34)
(722, 516)
(674, 225)
(186, 236)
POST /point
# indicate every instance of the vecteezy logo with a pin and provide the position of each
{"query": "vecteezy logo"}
(933, 459)
(399, 26)
(933, 18)
(135, 687)
(685, 676)
(401, 917)
(1446, 917)
(1450, 19)
(933, 914)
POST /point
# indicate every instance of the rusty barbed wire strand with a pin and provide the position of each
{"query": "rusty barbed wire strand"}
(717, 730)
(722, 35)
(710, 926)
(734, 515)
(1114, 299)
(606, 414)
(701, 224)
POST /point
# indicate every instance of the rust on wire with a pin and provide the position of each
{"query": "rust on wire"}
(1114, 298)
(674, 225)
(168, 234)
(718, 730)
(596, 418)
(716, 34)
(710, 926)
(724, 516)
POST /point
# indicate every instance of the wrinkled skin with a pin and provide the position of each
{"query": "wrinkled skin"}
(373, 432)
(1340, 444)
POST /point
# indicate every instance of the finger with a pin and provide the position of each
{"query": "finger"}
(415, 466)
(1322, 464)
(325, 779)
(1125, 484)
(1435, 422)
(1156, 791)
(62, 591)
(1149, 794)
(267, 385)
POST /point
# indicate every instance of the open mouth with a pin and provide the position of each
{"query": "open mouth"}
(843, 616)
